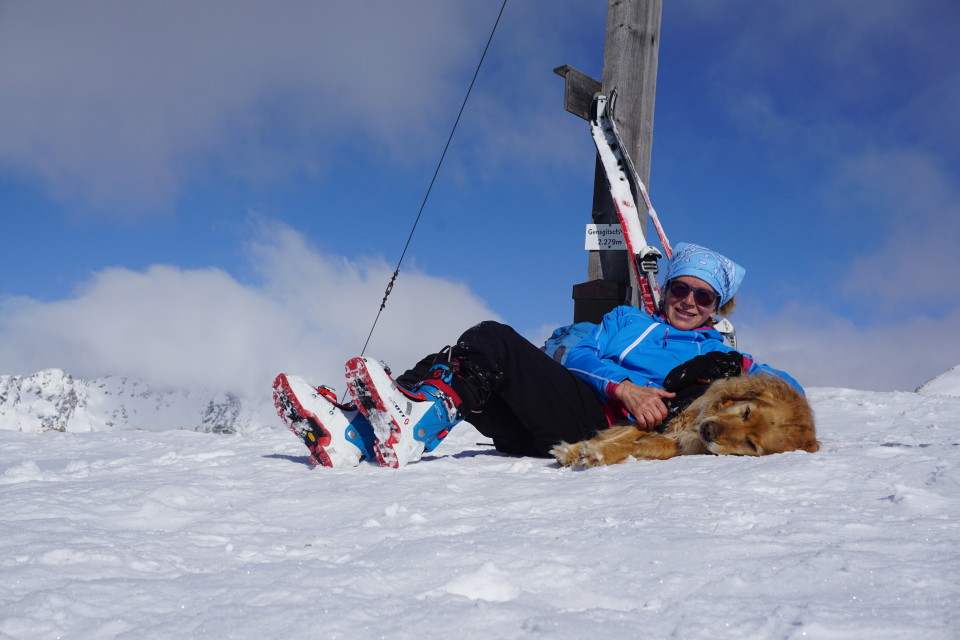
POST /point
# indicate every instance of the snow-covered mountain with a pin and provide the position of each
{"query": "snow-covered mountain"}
(53, 400)
(945, 384)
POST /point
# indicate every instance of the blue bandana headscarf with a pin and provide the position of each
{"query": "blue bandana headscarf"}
(721, 273)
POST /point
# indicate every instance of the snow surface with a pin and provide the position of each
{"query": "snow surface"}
(181, 534)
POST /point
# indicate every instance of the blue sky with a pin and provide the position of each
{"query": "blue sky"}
(209, 193)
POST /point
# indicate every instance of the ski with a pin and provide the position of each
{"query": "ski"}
(626, 187)
(617, 169)
(637, 182)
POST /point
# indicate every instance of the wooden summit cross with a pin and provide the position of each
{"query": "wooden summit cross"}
(630, 69)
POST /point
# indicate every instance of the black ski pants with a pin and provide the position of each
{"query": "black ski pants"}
(534, 402)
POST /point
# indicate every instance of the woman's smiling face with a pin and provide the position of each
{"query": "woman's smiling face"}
(684, 313)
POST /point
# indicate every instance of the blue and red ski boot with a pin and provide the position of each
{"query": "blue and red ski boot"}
(407, 422)
(337, 435)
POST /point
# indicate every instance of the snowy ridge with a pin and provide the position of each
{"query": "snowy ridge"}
(52, 400)
(945, 384)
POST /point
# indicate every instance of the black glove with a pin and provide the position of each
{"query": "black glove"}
(691, 379)
(706, 368)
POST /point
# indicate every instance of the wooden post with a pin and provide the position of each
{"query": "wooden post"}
(629, 69)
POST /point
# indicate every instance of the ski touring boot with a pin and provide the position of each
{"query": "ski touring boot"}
(337, 435)
(407, 422)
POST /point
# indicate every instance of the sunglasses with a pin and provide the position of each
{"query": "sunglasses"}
(703, 297)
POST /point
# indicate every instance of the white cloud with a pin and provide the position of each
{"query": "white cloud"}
(177, 327)
(823, 349)
(121, 106)
(115, 102)
(308, 313)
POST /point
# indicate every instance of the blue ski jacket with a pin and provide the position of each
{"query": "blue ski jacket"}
(631, 344)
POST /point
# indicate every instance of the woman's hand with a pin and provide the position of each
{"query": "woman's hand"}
(645, 404)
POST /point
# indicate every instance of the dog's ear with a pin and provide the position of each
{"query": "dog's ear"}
(752, 394)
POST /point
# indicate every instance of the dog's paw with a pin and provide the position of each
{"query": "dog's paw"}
(579, 454)
(568, 455)
(592, 456)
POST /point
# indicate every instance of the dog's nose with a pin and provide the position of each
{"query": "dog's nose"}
(709, 431)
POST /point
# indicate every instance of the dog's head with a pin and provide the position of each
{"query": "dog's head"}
(754, 415)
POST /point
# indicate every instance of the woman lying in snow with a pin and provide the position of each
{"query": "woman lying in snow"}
(519, 396)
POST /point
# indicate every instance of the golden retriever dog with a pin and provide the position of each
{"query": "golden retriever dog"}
(747, 415)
